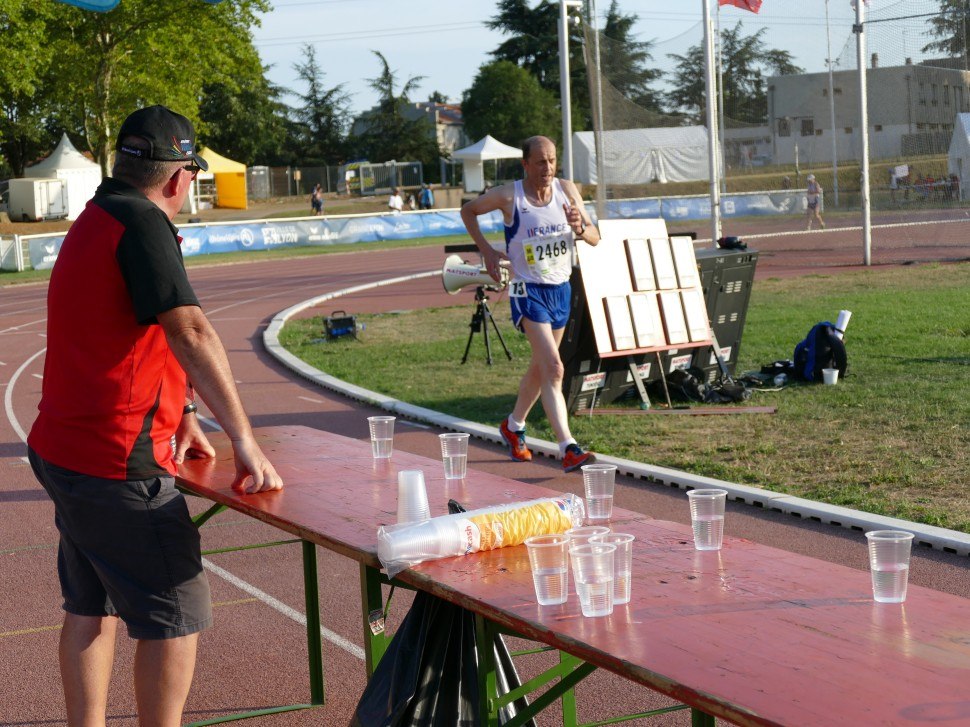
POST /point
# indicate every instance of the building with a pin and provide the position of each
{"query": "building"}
(446, 119)
(911, 111)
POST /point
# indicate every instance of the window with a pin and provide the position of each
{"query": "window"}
(848, 129)
(920, 126)
(922, 94)
(808, 127)
(933, 98)
(946, 94)
(878, 127)
(818, 132)
(784, 127)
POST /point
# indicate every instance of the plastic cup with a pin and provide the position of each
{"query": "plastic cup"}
(550, 567)
(582, 534)
(381, 436)
(454, 454)
(889, 563)
(412, 497)
(707, 517)
(599, 481)
(622, 564)
(593, 573)
(830, 376)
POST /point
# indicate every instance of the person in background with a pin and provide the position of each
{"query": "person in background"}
(425, 198)
(395, 202)
(125, 335)
(544, 216)
(813, 196)
(316, 200)
(411, 202)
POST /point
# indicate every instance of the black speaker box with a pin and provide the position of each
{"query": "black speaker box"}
(726, 278)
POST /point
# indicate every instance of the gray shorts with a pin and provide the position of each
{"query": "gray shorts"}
(128, 548)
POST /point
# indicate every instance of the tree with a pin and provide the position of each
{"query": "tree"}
(388, 133)
(950, 29)
(746, 61)
(324, 115)
(25, 67)
(534, 45)
(245, 120)
(624, 61)
(146, 51)
(507, 102)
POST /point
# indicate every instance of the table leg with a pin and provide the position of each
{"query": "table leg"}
(313, 640)
(372, 602)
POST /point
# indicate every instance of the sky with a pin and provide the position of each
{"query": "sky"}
(446, 41)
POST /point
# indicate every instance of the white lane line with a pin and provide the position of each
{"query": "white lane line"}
(22, 325)
(291, 613)
(312, 401)
(37, 376)
(8, 396)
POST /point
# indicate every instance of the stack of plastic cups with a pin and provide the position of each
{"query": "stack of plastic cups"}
(412, 497)
(622, 564)
(435, 538)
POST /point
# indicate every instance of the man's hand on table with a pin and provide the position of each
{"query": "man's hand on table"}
(252, 465)
(191, 442)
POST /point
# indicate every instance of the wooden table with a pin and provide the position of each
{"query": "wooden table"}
(751, 634)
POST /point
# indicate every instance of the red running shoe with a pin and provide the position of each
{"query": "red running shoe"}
(516, 442)
(575, 457)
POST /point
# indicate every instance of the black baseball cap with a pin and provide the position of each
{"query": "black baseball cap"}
(170, 136)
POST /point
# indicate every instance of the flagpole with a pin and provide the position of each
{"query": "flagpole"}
(835, 143)
(860, 41)
(712, 142)
(720, 103)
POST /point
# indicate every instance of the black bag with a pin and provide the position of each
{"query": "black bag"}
(428, 677)
(821, 349)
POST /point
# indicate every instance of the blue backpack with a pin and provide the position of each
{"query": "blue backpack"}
(821, 349)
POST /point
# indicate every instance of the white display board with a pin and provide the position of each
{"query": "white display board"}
(635, 258)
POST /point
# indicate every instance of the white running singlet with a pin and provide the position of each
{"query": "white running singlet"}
(539, 242)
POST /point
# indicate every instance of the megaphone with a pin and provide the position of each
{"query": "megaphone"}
(457, 274)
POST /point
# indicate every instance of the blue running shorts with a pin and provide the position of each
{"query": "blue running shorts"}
(540, 303)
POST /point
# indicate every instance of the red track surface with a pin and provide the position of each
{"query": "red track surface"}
(255, 655)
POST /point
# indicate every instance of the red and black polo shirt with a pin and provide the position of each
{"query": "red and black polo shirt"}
(113, 392)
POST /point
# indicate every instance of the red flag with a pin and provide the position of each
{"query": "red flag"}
(753, 5)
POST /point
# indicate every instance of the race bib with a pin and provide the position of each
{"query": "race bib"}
(517, 289)
(547, 255)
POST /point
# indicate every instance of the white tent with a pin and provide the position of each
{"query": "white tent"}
(641, 156)
(958, 158)
(81, 176)
(473, 158)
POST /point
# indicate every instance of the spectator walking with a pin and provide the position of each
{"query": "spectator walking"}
(813, 196)
(425, 198)
(316, 200)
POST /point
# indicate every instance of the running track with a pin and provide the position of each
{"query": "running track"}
(255, 656)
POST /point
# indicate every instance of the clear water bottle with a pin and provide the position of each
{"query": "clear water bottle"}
(781, 380)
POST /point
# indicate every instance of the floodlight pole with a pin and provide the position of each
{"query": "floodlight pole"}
(564, 98)
(835, 143)
(712, 143)
(860, 41)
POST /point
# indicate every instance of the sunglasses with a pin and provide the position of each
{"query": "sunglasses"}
(194, 168)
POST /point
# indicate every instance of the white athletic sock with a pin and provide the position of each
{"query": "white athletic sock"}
(514, 425)
(563, 445)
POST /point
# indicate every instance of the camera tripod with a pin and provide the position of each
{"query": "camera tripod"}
(480, 320)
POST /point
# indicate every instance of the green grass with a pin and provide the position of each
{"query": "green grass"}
(892, 438)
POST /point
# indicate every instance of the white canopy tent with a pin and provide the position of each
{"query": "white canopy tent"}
(81, 176)
(958, 157)
(640, 156)
(474, 156)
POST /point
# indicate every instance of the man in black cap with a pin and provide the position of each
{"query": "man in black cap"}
(127, 348)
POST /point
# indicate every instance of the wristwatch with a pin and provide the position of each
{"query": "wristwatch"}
(190, 408)
(582, 230)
